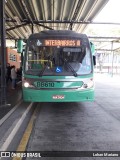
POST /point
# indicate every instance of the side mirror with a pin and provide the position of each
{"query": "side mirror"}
(94, 60)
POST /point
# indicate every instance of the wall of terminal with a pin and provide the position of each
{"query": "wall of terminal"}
(12, 57)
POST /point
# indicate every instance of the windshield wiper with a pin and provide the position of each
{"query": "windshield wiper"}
(43, 70)
(70, 67)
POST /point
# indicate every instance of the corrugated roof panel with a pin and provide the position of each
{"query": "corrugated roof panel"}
(33, 11)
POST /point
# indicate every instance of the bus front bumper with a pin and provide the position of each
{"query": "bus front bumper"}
(62, 95)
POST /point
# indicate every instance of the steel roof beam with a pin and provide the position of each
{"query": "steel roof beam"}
(104, 50)
(88, 36)
(44, 26)
(107, 49)
(27, 12)
(106, 41)
(17, 26)
(103, 37)
(71, 13)
(62, 21)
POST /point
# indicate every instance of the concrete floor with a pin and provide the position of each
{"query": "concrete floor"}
(13, 97)
(84, 126)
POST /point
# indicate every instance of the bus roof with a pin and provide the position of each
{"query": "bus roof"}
(58, 33)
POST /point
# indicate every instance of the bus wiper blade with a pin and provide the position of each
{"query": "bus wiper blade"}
(43, 70)
(71, 68)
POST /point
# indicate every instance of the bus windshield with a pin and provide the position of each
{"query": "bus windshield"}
(57, 60)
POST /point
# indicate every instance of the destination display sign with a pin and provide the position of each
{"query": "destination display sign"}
(62, 42)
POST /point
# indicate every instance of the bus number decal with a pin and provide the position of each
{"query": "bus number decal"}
(45, 84)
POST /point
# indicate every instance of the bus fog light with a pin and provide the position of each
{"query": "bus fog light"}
(88, 84)
(26, 84)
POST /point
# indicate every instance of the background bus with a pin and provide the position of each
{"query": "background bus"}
(58, 67)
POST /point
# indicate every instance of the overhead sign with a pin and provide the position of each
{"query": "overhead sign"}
(62, 42)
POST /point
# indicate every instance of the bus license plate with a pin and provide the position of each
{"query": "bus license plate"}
(58, 96)
(45, 84)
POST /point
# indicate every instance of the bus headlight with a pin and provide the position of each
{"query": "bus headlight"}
(89, 83)
(26, 84)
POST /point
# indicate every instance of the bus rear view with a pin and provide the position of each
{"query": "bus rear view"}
(58, 67)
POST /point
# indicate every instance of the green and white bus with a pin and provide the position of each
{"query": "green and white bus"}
(58, 67)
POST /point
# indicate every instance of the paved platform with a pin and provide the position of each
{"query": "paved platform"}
(13, 96)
